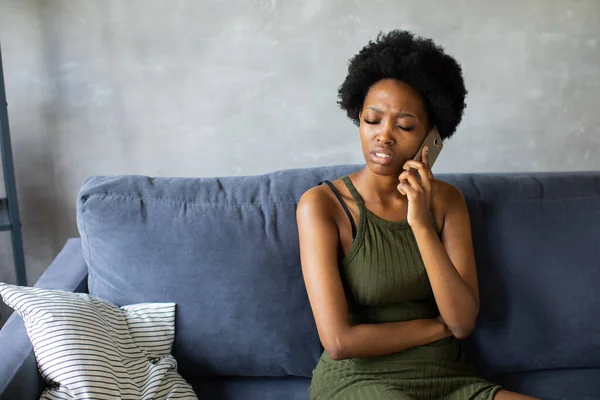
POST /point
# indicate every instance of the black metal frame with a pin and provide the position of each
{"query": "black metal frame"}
(9, 206)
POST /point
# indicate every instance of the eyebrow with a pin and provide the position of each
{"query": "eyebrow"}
(400, 114)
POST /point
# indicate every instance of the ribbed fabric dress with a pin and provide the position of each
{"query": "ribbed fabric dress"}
(385, 281)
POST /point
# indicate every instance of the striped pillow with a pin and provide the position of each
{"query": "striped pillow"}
(87, 348)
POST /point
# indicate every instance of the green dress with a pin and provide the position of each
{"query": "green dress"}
(385, 281)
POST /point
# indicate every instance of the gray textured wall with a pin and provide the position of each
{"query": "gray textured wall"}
(203, 88)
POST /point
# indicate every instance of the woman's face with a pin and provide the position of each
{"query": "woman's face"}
(393, 124)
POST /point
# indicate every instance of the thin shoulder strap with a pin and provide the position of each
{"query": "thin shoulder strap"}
(355, 195)
(344, 206)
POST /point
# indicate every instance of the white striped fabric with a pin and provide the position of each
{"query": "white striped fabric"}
(87, 348)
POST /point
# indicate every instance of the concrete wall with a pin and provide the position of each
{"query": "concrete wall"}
(204, 88)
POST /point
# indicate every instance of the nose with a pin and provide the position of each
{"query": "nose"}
(385, 134)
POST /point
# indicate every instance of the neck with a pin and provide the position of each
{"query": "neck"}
(379, 188)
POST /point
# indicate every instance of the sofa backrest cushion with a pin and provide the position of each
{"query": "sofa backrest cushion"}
(224, 249)
(537, 245)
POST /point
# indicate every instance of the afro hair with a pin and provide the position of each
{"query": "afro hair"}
(414, 60)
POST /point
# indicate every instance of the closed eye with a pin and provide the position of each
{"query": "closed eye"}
(404, 128)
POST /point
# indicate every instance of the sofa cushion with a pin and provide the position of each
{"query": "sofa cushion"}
(537, 244)
(224, 249)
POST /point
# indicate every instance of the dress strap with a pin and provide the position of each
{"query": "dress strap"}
(355, 195)
(344, 206)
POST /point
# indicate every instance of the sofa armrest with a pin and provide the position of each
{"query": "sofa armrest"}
(19, 376)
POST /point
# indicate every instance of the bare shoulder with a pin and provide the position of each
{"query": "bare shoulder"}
(447, 199)
(316, 201)
(447, 193)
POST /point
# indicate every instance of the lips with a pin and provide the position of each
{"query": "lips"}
(383, 151)
(381, 155)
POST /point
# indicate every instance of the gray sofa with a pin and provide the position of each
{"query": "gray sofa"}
(225, 250)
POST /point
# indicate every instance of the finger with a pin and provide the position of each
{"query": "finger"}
(413, 164)
(426, 161)
(426, 178)
(409, 192)
(403, 176)
(424, 172)
(399, 187)
(425, 156)
(414, 181)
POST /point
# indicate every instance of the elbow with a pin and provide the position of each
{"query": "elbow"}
(462, 331)
(463, 327)
(336, 348)
(335, 353)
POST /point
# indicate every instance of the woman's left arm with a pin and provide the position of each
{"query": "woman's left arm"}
(450, 264)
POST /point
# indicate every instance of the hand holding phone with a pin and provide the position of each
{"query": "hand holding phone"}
(433, 141)
(417, 181)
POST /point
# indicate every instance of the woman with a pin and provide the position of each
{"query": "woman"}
(386, 252)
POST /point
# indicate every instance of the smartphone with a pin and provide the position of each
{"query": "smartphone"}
(433, 141)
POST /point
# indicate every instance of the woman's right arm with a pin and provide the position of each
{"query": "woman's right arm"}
(319, 256)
